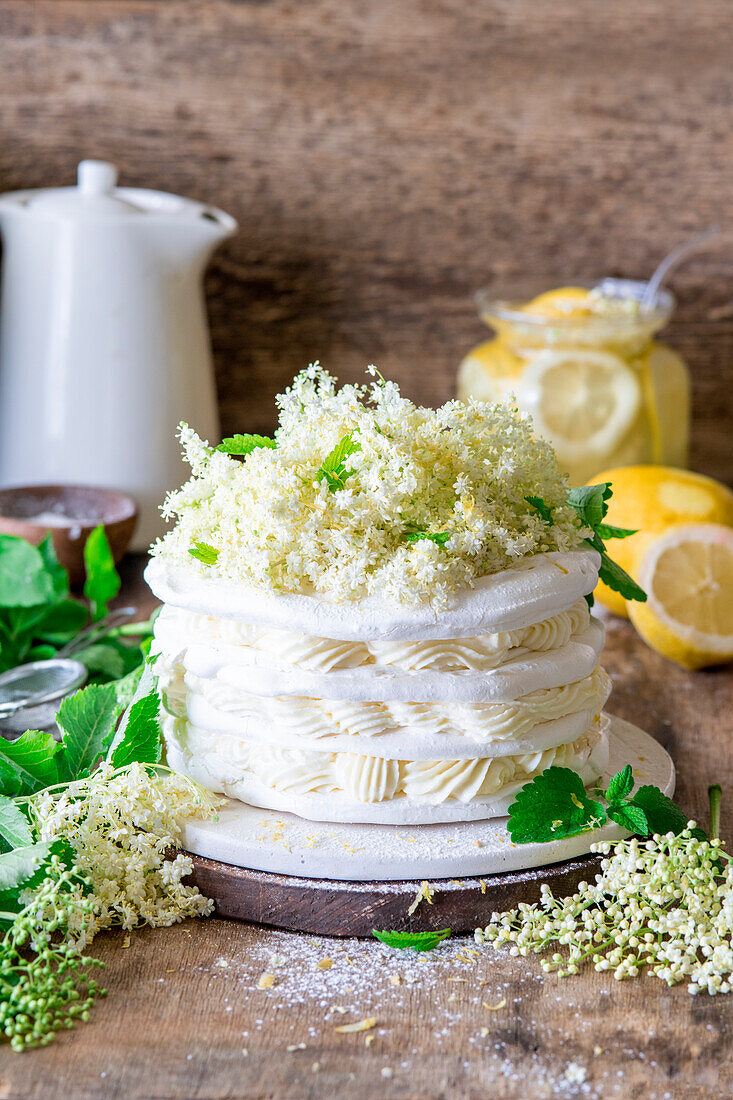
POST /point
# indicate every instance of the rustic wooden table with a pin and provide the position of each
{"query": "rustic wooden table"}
(185, 1017)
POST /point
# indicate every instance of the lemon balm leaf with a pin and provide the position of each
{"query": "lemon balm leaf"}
(554, 804)
(540, 506)
(630, 817)
(620, 785)
(333, 469)
(244, 444)
(619, 580)
(440, 538)
(418, 941)
(606, 531)
(204, 553)
(591, 502)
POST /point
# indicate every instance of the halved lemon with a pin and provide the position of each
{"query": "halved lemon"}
(687, 573)
(649, 499)
(583, 402)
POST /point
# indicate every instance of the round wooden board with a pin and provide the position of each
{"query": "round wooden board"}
(337, 897)
(331, 908)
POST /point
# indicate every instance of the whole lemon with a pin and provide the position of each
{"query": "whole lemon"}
(649, 499)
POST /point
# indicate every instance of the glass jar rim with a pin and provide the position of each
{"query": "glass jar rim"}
(509, 308)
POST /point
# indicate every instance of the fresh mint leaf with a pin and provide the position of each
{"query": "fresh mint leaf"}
(103, 581)
(418, 941)
(544, 509)
(630, 817)
(57, 573)
(662, 814)
(141, 741)
(15, 830)
(203, 552)
(619, 580)
(440, 538)
(87, 720)
(29, 763)
(333, 469)
(606, 531)
(591, 502)
(24, 579)
(554, 804)
(620, 785)
(245, 444)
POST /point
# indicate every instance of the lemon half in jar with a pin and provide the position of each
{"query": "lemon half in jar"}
(583, 402)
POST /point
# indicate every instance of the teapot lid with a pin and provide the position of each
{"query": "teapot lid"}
(95, 195)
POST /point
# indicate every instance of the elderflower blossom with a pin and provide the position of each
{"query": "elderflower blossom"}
(664, 904)
(122, 827)
(462, 471)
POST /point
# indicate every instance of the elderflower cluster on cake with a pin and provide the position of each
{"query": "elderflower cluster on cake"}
(367, 618)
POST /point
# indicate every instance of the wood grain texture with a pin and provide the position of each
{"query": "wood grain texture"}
(385, 160)
(184, 1003)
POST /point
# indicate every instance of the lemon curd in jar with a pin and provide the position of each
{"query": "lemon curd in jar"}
(585, 365)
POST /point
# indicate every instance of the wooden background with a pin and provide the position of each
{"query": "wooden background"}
(384, 159)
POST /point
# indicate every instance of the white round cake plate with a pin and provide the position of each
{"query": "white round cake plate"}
(283, 844)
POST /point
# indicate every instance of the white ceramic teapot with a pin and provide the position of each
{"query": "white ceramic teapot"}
(104, 345)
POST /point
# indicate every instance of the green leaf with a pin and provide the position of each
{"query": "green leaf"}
(57, 573)
(141, 741)
(103, 581)
(203, 552)
(109, 659)
(440, 538)
(589, 599)
(333, 469)
(544, 510)
(24, 579)
(18, 866)
(418, 941)
(662, 814)
(553, 805)
(245, 444)
(619, 580)
(14, 827)
(127, 686)
(30, 762)
(29, 869)
(630, 817)
(61, 622)
(591, 502)
(620, 785)
(606, 531)
(87, 720)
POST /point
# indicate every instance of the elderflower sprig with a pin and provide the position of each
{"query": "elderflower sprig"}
(664, 905)
(361, 493)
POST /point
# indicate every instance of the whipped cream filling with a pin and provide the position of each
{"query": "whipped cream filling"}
(308, 719)
(539, 587)
(228, 760)
(176, 629)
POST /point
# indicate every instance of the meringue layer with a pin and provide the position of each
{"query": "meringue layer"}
(351, 787)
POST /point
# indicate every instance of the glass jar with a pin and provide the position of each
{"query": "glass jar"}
(584, 363)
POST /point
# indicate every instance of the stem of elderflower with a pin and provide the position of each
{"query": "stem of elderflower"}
(715, 796)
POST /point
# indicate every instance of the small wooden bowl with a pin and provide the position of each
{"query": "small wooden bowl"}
(23, 511)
